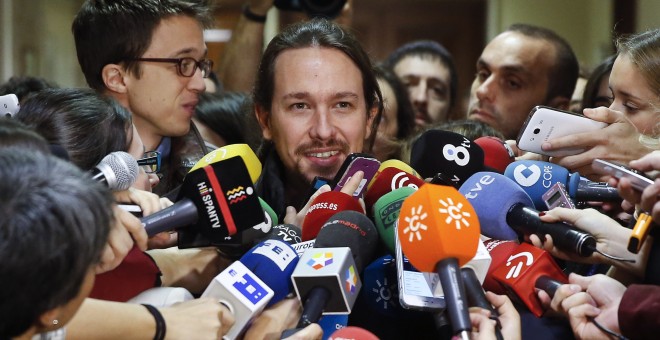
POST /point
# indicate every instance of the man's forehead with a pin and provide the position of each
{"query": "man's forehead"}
(516, 52)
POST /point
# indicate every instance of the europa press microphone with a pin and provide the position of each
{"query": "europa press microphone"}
(502, 218)
(536, 177)
(447, 153)
(323, 207)
(215, 201)
(327, 277)
(439, 231)
(259, 278)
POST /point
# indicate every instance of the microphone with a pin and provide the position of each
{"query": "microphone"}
(243, 151)
(214, 202)
(288, 233)
(323, 207)
(476, 297)
(327, 276)
(395, 163)
(479, 265)
(499, 251)
(380, 287)
(352, 333)
(387, 180)
(236, 245)
(525, 269)
(536, 177)
(386, 213)
(497, 153)
(449, 153)
(259, 278)
(439, 231)
(512, 212)
(9, 105)
(118, 170)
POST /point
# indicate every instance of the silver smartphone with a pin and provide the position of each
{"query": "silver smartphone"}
(638, 179)
(415, 287)
(545, 123)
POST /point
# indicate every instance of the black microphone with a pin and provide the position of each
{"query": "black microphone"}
(448, 153)
(215, 202)
(476, 297)
(118, 170)
(327, 278)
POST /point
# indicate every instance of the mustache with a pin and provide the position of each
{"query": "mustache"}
(303, 149)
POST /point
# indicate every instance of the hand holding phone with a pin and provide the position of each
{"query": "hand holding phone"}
(353, 163)
(638, 179)
(545, 123)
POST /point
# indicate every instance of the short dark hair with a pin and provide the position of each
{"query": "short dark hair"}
(24, 86)
(114, 31)
(227, 114)
(88, 125)
(405, 116)
(55, 222)
(316, 33)
(593, 82)
(428, 49)
(563, 75)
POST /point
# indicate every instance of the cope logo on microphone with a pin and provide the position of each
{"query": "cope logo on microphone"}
(238, 194)
(526, 260)
(527, 176)
(351, 280)
(320, 260)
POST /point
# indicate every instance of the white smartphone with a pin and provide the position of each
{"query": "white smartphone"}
(414, 286)
(638, 179)
(545, 123)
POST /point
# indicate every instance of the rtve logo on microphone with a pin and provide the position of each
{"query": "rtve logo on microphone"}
(527, 176)
(515, 270)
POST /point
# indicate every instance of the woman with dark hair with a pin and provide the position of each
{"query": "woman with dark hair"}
(222, 119)
(596, 90)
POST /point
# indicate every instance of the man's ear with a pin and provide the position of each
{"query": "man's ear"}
(560, 102)
(263, 117)
(113, 77)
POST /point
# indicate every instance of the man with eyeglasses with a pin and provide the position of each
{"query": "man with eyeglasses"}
(151, 57)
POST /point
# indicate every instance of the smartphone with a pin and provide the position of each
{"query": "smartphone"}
(557, 196)
(545, 123)
(639, 179)
(353, 163)
(414, 286)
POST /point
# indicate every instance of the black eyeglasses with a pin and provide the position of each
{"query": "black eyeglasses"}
(185, 66)
(150, 162)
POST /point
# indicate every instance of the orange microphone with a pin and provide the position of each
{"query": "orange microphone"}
(323, 207)
(439, 232)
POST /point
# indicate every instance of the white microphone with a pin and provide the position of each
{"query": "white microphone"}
(118, 170)
(9, 105)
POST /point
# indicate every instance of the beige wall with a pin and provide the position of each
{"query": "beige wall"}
(648, 14)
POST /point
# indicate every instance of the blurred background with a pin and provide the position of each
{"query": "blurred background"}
(36, 38)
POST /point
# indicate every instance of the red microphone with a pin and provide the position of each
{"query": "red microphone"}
(388, 180)
(352, 333)
(439, 231)
(497, 154)
(499, 251)
(323, 207)
(525, 269)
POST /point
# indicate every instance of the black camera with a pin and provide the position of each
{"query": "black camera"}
(313, 8)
